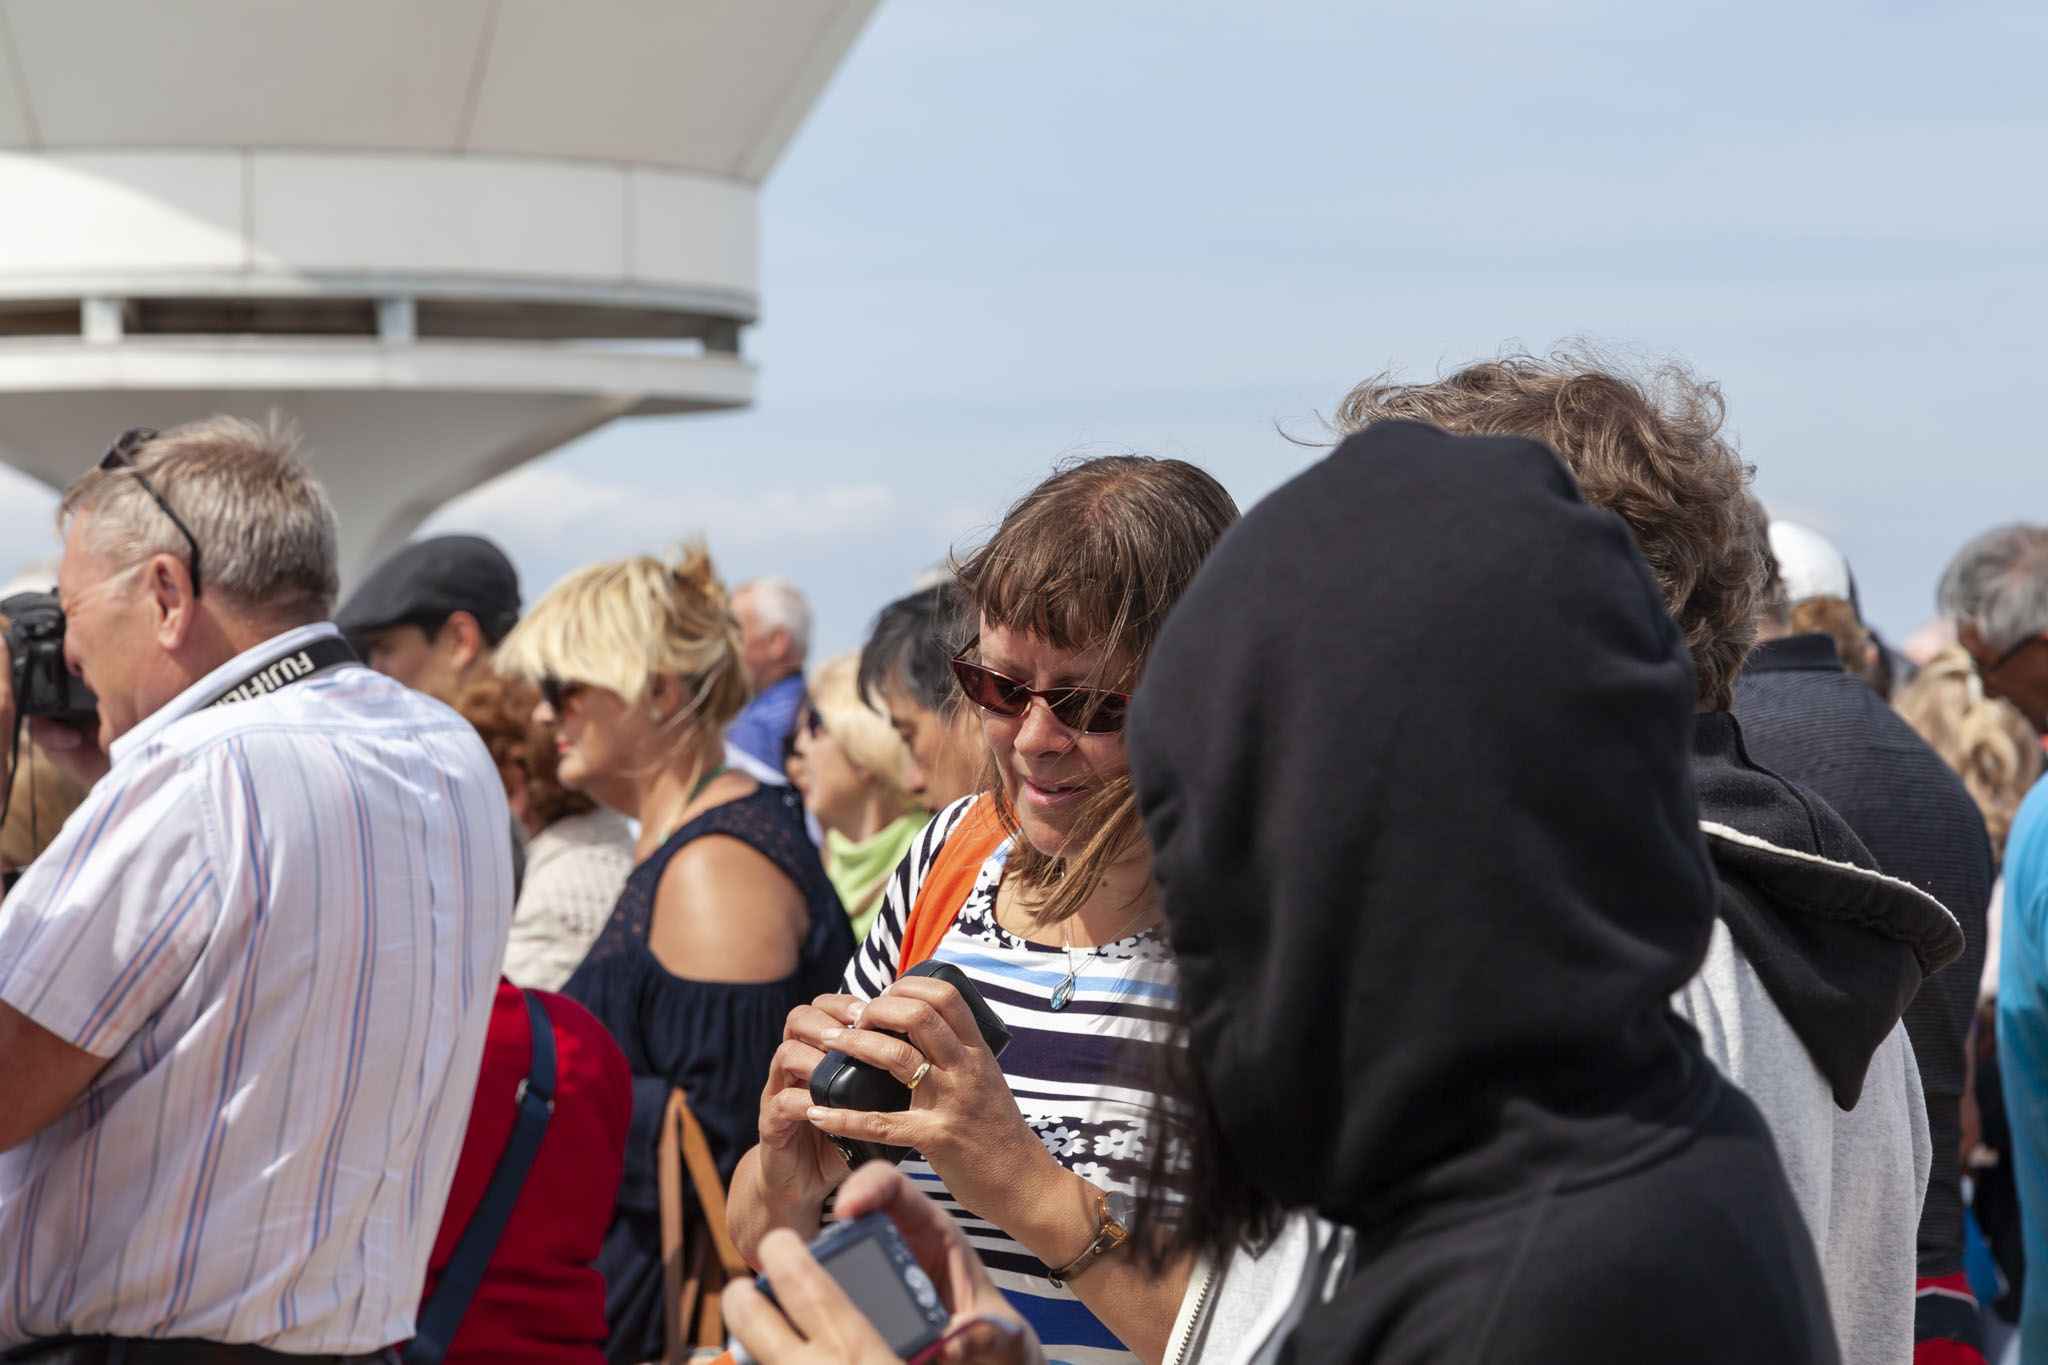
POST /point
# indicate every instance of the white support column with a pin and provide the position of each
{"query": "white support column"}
(99, 320)
(397, 321)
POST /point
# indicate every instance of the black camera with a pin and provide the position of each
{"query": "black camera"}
(44, 684)
(840, 1082)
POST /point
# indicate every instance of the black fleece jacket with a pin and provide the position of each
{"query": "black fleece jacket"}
(1805, 718)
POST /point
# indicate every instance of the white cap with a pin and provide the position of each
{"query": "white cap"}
(1810, 565)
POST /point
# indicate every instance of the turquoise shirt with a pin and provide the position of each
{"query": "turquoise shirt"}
(2023, 1048)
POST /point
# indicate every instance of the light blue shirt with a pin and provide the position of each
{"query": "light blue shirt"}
(760, 729)
(2023, 1048)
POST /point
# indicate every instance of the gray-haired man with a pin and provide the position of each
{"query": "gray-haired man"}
(1996, 590)
(244, 993)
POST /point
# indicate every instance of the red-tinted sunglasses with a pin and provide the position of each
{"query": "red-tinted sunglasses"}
(1092, 710)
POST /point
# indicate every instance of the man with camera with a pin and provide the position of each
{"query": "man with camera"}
(244, 993)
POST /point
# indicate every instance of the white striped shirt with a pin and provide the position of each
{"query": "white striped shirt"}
(280, 921)
(1081, 1076)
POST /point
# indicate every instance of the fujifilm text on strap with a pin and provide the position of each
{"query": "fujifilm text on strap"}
(288, 668)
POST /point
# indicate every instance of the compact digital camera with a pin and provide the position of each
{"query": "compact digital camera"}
(872, 1263)
(44, 684)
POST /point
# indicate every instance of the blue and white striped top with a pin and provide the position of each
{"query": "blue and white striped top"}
(280, 922)
(1081, 1075)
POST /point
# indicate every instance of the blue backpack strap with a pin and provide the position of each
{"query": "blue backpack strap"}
(443, 1312)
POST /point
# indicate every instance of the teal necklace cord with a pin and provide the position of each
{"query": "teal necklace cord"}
(691, 799)
(702, 783)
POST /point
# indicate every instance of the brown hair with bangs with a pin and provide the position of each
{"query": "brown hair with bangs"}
(1094, 558)
(1647, 447)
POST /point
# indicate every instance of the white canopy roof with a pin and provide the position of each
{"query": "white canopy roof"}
(712, 86)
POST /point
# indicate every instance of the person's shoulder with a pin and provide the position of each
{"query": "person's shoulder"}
(715, 866)
(600, 837)
(348, 698)
(718, 909)
(355, 694)
(935, 834)
(600, 827)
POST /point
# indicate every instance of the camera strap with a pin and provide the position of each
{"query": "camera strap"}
(281, 671)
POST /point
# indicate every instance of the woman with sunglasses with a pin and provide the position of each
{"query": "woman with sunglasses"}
(1055, 921)
(727, 919)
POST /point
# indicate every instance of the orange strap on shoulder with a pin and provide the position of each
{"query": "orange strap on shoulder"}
(950, 879)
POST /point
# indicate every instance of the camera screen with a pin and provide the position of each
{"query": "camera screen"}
(864, 1271)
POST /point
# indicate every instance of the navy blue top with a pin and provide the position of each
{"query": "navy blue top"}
(713, 1039)
(1804, 717)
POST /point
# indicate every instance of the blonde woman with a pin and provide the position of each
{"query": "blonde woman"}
(727, 920)
(851, 773)
(1991, 747)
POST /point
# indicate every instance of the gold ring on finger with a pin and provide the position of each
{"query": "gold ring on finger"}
(917, 1076)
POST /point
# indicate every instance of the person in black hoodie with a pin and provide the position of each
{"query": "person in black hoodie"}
(1815, 953)
(1413, 755)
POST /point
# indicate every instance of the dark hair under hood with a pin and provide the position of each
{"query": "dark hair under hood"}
(1413, 757)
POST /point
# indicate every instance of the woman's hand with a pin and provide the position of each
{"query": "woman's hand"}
(962, 1117)
(823, 1325)
(798, 1166)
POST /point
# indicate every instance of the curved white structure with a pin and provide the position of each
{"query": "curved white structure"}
(445, 235)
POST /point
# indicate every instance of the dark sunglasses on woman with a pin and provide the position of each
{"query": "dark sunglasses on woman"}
(556, 693)
(1091, 710)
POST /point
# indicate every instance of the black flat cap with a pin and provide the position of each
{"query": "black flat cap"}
(429, 579)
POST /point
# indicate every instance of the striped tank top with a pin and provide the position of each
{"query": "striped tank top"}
(1080, 1075)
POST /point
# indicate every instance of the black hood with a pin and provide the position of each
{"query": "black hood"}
(1840, 947)
(1413, 756)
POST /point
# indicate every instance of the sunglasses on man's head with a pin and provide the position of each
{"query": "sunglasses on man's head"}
(120, 457)
(1091, 710)
(556, 693)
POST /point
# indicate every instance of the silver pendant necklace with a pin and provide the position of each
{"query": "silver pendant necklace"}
(1064, 992)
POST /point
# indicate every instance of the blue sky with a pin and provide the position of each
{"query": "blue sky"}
(1014, 230)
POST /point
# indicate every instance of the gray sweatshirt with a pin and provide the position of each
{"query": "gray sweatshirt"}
(1859, 1175)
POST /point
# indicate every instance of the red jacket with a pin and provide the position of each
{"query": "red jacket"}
(541, 1303)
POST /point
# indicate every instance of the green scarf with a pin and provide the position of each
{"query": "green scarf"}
(860, 871)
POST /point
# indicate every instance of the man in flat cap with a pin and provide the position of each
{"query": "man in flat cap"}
(431, 614)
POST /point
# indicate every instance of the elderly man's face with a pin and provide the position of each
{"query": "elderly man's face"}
(2018, 674)
(764, 649)
(110, 631)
